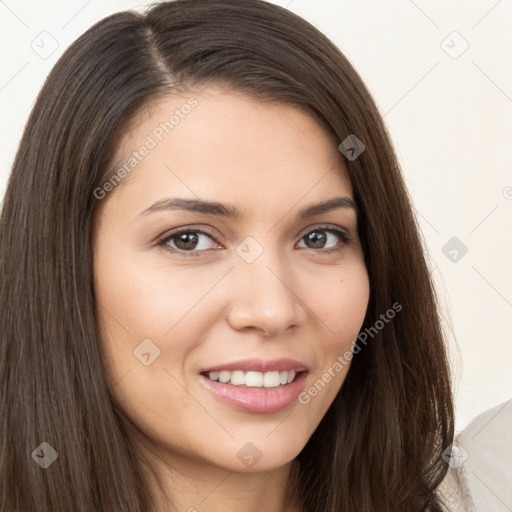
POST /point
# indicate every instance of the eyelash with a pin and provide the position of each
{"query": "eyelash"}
(169, 236)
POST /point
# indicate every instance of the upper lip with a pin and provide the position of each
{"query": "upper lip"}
(259, 365)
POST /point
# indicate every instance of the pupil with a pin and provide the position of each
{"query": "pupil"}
(318, 239)
(187, 241)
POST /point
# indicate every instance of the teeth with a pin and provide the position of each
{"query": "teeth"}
(253, 379)
(223, 376)
(237, 378)
(271, 380)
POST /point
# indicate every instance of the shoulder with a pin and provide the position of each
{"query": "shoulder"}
(486, 445)
(479, 477)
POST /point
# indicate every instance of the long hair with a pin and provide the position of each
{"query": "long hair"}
(379, 446)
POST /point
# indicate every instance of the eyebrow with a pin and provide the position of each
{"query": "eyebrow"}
(229, 211)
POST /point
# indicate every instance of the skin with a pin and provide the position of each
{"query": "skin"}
(295, 300)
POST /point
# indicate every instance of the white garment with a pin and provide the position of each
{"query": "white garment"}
(480, 476)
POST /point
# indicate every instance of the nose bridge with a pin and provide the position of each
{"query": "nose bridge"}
(263, 289)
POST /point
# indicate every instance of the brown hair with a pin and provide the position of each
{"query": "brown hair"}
(379, 446)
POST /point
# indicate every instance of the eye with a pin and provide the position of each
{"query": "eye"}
(189, 242)
(325, 238)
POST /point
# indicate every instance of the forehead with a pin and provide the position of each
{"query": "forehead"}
(214, 142)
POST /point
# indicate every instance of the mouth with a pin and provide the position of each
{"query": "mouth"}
(256, 386)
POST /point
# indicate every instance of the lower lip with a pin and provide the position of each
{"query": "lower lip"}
(257, 400)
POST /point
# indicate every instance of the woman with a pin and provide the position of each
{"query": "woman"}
(220, 299)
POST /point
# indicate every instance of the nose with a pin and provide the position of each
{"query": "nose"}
(264, 297)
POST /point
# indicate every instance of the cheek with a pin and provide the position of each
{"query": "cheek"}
(142, 298)
(343, 306)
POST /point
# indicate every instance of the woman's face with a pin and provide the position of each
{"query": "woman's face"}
(200, 331)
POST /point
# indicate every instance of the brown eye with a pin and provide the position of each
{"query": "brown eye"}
(325, 238)
(186, 241)
(316, 239)
(193, 241)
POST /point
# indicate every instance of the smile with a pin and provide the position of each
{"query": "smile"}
(256, 386)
